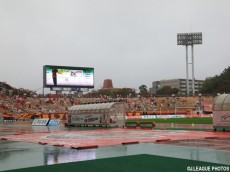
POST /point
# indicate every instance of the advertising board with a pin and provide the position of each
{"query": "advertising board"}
(89, 119)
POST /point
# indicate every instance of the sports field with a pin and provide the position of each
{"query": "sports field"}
(134, 163)
(41, 148)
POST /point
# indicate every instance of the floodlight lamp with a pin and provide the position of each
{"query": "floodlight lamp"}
(189, 38)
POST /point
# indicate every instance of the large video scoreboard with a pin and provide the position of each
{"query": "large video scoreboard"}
(66, 76)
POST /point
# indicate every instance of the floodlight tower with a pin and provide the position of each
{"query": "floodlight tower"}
(189, 39)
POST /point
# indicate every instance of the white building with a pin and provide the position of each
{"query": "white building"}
(180, 84)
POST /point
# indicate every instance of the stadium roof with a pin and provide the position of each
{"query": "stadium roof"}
(98, 106)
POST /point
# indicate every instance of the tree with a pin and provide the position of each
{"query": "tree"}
(167, 91)
(112, 93)
(217, 84)
(175, 90)
(143, 91)
(126, 92)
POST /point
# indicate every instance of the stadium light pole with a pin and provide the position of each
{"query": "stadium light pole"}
(189, 39)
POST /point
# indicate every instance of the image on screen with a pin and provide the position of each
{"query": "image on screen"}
(63, 76)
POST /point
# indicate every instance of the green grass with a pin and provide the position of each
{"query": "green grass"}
(176, 120)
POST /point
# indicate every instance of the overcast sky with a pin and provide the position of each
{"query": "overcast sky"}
(132, 42)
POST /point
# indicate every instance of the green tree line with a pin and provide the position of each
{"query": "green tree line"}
(217, 84)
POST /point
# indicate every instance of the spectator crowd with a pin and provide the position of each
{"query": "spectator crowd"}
(59, 103)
